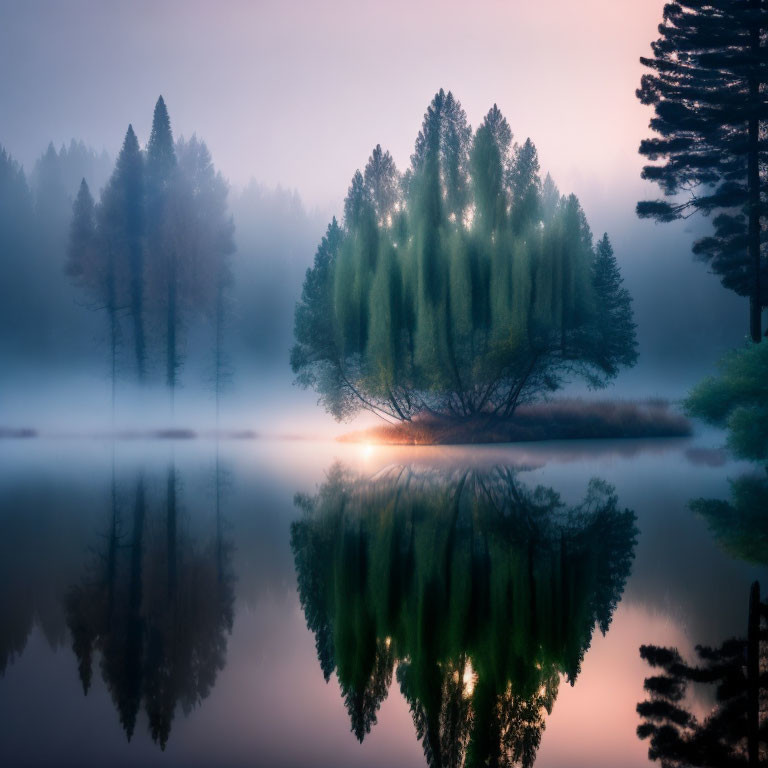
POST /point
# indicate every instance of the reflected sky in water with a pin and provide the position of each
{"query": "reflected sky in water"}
(256, 695)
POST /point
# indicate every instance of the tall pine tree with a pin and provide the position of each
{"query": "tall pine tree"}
(708, 74)
(615, 328)
(91, 263)
(161, 172)
(127, 192)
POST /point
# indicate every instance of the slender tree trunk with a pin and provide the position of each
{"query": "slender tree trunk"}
(137, 307)
(219, 353)
(133, 664)
(753, 677)
(112, 309)
(137, 545)
(171, 548)
(113, 353)
(111, 564)
(219, 526)
(171, 319)
(753, 182)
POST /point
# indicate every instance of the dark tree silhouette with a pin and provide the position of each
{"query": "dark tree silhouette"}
(706, 87)
(207, 243)
(92, 261)
(157, 607)
(16, 215)
(735, 732)
(190, 237)
(161, 179)
(105, 253)
(480, 591)
(127, 187)
(157, 244)
(34, 224)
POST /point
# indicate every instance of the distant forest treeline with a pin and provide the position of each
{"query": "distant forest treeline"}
(46, 315)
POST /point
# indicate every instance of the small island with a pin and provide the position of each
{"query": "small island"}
(557, 420)
(458, 295)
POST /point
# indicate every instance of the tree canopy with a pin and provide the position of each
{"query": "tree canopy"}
(737, 399)
(157, 244)
(462, 286)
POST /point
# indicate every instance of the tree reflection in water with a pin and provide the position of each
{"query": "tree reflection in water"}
(735, 730)
(157, 607)
(479, 591)
(741, 524)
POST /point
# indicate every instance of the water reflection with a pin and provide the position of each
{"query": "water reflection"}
(480, 592)
(741, 524)
(131, 584)
(732, 733)
(156, 605)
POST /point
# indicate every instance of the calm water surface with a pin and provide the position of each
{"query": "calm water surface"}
(296, 603)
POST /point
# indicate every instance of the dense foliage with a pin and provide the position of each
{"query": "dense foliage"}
(480, 591)
(157, 245)
(741, 524)
(707, 87)
(464, 285)
(737, 399)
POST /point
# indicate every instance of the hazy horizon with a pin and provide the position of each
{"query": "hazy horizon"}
(297, 93)
(294, 95)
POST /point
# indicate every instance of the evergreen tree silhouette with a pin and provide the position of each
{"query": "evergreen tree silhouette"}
(708, 73)
(157, 607)
(735, 732)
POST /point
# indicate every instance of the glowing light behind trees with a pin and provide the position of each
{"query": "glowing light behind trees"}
(465, 285)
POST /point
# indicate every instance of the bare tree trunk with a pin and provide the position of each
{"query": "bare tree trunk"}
(111, 561)
(137, 307)
(137, 547)
(171, 544)
(219, 355)
(753, 183)
(112, 309)
(753, 677)
(171, 320)
(219, 526)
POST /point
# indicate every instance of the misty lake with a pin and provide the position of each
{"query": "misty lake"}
(178, 603)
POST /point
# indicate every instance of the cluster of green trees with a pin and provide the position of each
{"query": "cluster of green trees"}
(154, 251)
(465, 285)
(737, 400)
(478, 590)
(709, 74)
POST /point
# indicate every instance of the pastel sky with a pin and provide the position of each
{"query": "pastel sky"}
(297, 92)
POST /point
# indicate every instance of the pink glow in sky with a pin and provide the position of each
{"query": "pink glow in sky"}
(297, 92)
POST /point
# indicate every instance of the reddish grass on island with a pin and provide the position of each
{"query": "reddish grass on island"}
(555, 420)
